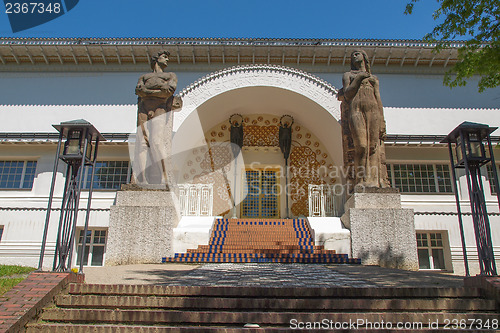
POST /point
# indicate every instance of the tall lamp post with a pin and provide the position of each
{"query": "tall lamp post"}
(473, 149)
(236, 138)
(285, 142)
(79, 149)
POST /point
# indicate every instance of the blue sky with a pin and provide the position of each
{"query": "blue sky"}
(372, 19)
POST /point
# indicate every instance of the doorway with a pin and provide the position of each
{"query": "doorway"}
(261, 191)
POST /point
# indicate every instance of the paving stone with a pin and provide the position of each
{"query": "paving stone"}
(257, 274)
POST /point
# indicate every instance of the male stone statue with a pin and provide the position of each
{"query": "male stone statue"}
(363, 110)
(147, 206)
(154, 121)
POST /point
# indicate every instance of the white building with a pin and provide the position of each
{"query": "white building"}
(47, 81)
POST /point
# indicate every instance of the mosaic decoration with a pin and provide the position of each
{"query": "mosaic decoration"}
(309, 161)
(260, 136)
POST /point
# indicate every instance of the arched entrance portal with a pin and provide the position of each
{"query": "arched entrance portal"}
(261, 94)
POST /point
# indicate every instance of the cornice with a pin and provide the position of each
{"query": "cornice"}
(222, 41)
(224, 51)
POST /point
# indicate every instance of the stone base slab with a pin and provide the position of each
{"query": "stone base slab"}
(192, 231)
(329, 232)
(374, 200)
(141, 227)
(382, 233)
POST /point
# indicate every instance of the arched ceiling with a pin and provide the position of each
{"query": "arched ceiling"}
(261, 100)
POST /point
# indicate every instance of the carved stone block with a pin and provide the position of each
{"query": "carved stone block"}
(141, 227)
(382, 233)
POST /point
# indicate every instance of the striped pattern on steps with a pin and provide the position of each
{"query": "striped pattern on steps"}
(261, 240)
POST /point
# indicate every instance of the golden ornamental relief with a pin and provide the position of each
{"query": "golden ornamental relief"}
(260, 136)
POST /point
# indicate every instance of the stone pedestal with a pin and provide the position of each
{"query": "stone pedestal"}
(141, 227)
(382, 233)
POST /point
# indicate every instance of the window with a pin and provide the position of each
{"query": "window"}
(420, 178)
(491, 179)
(109, 175)
(95, 247)
(1, 232)
(17, 174)
(430, 250)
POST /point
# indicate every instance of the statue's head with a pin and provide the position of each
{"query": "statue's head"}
(160, 58)
(355, 58)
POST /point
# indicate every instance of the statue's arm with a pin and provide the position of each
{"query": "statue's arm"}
(140, 86)
(351, 85)
(141, 90)
(376, 87)
(172, 83)
(168, 88)
(376, 90)
(346, 81)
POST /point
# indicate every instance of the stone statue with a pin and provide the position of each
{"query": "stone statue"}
(236, 136)
(285, 139)
(364, 117)
(156, 99)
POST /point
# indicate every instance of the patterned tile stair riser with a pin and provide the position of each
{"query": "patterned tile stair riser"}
(261, 241)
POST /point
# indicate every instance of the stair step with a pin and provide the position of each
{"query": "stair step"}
(251, 304)
(269, 292)
(261, 260)
(85, 328)
(261, 240)
(240, 318)
(262, 255)
(108, 328)
(156, 308)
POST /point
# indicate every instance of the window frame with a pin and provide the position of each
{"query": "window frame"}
(489, 177)
(430, 247)
(87, 175)
(436, 185)
(91, 244)
(23, 175)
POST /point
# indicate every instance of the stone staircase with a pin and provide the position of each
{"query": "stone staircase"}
(261, 240)
(154, 308)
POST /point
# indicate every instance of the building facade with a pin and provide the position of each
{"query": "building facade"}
(47, 81)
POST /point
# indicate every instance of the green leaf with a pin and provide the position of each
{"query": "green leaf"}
(478, 21)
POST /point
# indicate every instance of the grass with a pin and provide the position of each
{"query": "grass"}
(7, 284)
(11, 275)
(8, 270)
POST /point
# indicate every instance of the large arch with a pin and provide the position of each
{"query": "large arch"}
(256, 92)
(300, 82)
(309, 99)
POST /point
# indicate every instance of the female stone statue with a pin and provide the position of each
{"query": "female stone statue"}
(366, 122)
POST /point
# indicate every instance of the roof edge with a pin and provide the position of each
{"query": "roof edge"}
(220, 41)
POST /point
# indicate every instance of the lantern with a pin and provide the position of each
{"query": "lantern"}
(470, 153)
(81, 140)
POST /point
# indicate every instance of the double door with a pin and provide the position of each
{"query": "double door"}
(261, 191)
